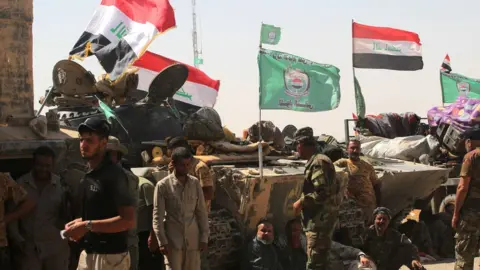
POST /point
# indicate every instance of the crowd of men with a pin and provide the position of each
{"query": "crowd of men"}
(116, 220)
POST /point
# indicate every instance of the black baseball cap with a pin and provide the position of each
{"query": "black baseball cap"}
(176, 142)
(95, 125)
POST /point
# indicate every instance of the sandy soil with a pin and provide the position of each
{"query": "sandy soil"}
(446, 265)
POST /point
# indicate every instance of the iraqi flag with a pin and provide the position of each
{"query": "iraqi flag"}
(199, 89)
(386, 48)
(121, 30)
(446, 67)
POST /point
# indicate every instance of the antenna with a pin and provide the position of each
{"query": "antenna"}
(197, 61)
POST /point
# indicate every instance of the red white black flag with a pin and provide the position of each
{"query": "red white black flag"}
(121, 30)
(386, 48)
(446, 67)
(199, 90)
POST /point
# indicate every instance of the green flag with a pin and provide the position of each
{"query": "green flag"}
(454, 85)
(289, 82)
(198, 61)
(109, 114)
(106, 110)
(270, 34)
(359, 100)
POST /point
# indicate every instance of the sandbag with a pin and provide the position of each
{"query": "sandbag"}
(270, 133)
(204, 125)
(405, 148)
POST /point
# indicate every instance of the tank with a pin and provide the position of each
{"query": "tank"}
(21, 132)
(144, 116)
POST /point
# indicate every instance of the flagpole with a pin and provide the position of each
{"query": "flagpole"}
(260, 148)
(353, 72)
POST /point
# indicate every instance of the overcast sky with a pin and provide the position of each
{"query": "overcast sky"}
(317, 30)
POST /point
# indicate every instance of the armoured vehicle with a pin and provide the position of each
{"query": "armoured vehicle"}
(21, 132)
(140, 116)
(242, 198)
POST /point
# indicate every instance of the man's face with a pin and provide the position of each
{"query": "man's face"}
(265, 233)
(43, 167)
(468, 145)
(354, 150)
(381, 223)
(303, 150)
(91, 145)
(181, 167)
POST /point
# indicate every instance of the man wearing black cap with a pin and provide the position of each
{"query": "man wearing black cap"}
(387, 247)
(320, 201)
(107, 205)
(466, 216)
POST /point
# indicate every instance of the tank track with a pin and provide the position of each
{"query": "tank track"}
(225, 242)
(351, 218)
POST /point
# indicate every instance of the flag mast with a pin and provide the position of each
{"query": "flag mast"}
(260, 148)
(354, 88)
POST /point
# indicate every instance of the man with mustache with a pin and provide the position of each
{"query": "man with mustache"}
(180, 218)
(363, 185)
(387, 247)
(466, 217)
(261, 254)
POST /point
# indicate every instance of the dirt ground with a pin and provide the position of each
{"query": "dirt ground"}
(446, 265)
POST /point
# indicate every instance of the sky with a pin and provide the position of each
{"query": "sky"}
(316, 30)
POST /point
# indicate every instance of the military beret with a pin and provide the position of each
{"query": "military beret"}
(304, 133)
(472, 134)
(382, 210)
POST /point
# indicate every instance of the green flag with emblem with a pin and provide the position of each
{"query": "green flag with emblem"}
(455, 85)
(289, 82)
(270, 34)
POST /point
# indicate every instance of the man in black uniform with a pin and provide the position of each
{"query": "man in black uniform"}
(107, 205)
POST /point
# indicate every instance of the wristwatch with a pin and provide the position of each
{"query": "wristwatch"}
(89, 225)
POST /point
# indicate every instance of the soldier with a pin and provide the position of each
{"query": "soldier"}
(387, 247)
(319, 203)
(117, 151)
(466, 217)
(363, 185)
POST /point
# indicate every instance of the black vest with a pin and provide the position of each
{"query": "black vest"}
(98, 203)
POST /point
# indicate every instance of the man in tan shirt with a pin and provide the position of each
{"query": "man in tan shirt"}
(180, 219)
(363, 185)
(37, 234)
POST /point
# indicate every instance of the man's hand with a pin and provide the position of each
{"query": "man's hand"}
(76, 231)
(364, 261)
(203, 246)
(455, 221)
(69, 224)
(164, 249)
(417, 265)
(297, 207)
(152, 243)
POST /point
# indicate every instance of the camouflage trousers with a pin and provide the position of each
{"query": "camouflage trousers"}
(319, 242)
(467, 240)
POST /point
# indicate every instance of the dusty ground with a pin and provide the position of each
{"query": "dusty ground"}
(446, 265)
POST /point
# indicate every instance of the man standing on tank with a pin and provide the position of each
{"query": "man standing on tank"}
(466, 216)
(319, 203)
(107, 204)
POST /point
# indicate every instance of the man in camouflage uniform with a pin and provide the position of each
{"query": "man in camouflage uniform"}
(319, 203)
(466, 217)
(387, 247)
